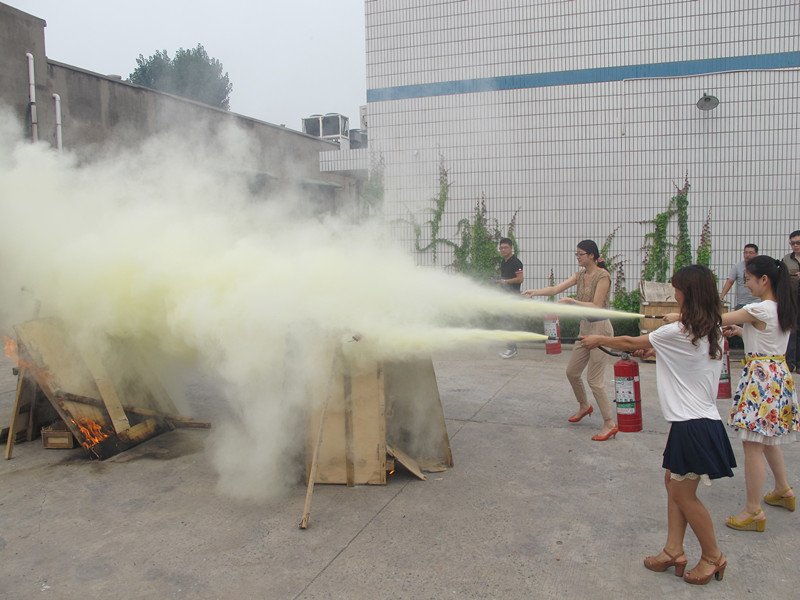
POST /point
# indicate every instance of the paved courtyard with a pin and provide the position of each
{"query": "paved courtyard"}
(532, 509)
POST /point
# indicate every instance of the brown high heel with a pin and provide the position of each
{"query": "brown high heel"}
(718, 573)
(652, 563)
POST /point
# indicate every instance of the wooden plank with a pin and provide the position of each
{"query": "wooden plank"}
(349, 449)
(12, 428)
(405, 460)
(108, 394)
(416, 424)
(52, 359)
(139, 432)
(367, 445)
(186, 422)
(315, 459)
(369, 425)
(31, 416)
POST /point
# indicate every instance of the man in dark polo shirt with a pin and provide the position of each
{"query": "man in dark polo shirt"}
(792, 262)
(510, 280)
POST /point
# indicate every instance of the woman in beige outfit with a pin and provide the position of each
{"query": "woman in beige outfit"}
(594, 288)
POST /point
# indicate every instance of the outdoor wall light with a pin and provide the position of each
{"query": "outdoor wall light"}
(707, 102)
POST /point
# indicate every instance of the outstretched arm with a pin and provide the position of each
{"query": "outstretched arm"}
(740, 316)
(623, 342)
(725, 288)
(553, 289)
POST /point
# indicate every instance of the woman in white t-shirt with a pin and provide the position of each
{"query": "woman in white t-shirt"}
(687, 370)
(765, 409)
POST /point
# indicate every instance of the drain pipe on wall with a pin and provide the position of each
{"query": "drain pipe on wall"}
(32, 94)
(59, 142)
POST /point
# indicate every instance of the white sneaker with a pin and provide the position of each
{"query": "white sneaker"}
(508, 354)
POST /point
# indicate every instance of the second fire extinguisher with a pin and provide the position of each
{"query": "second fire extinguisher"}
(724, 388)
(553, 333)
(627, 395)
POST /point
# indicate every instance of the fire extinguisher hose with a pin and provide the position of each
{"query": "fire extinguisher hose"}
(572, 340)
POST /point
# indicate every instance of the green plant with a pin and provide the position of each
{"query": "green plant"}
(704, 249)
(191, 74)
(680, 201)
(656, 260)
(611, 261)
(627, 301)
(477, 256)
(657, 245)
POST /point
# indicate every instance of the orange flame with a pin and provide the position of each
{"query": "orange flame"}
(91, 431)
(11, 349)
(26, 368)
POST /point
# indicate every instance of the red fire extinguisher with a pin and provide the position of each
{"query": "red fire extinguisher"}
(724, 389)
(553, 331)
(627, 395)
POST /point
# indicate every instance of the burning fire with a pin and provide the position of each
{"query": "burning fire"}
(91, 431)
(13, 352)
(11, 349)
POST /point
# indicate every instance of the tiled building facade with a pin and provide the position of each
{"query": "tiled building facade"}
(581, 117)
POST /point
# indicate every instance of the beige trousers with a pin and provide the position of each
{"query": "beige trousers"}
(595, 375)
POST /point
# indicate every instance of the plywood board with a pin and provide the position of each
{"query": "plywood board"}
(106, 388)
(415, 421)
(364, 450)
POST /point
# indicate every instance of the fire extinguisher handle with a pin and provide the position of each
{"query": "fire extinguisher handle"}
(622, 355)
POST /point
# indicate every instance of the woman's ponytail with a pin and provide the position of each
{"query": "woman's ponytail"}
(778, 274)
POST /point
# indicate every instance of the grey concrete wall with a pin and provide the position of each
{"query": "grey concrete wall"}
(100, 110)
(20, 33)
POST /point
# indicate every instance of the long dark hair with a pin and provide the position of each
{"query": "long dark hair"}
(590, 247)
(778, 275)
(700, 313)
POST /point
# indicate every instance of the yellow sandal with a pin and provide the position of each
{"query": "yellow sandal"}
(780, 500)
(748, 524)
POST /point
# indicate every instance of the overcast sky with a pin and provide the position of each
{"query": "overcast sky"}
(287, 59)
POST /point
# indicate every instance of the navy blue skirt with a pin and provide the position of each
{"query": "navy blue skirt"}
(699, 446)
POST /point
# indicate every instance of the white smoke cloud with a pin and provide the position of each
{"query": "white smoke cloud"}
(165, 245)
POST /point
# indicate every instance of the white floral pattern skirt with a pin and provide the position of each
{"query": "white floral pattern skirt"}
(765, 405)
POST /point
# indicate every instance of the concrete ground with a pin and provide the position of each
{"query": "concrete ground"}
(533, 508)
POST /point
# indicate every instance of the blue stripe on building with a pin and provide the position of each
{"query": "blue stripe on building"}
(780, 60)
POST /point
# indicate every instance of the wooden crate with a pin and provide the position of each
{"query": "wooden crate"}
(652, 312)
(57, 436)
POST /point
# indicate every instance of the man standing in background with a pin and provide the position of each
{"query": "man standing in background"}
(743, 295)
(510, 280)
(792, 262)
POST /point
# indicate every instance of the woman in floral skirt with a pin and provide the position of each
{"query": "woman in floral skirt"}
(765, 409)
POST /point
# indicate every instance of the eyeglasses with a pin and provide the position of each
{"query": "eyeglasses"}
(797, 243)
(579, 254)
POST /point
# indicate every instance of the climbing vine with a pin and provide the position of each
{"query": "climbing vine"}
(476, 255)
(683, 253)
(657, 245)
(704, 249)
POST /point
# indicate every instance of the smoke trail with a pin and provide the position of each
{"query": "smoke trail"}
(166, 246)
